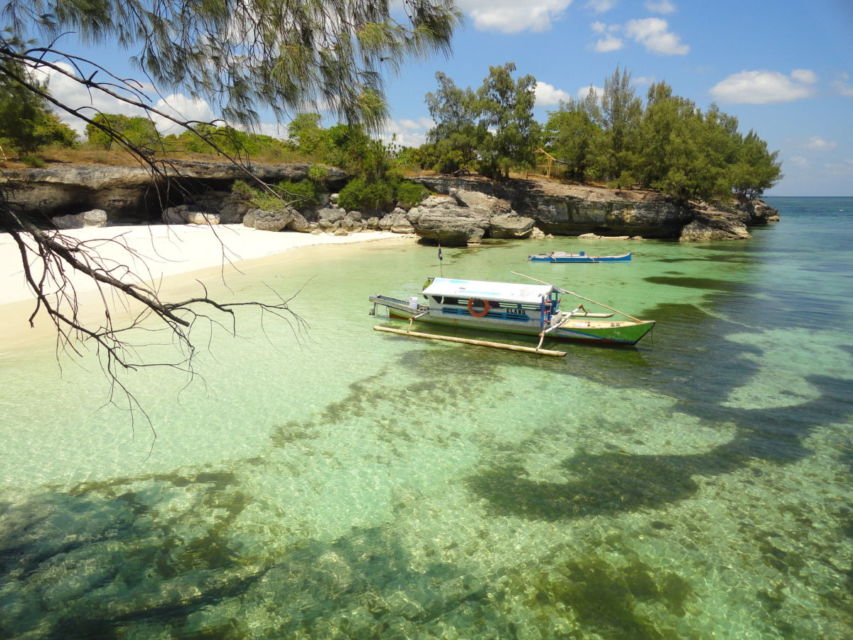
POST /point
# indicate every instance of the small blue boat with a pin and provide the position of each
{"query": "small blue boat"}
(562, 256)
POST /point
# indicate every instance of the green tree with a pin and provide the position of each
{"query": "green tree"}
(26, 124)
(106, 128)
(506, 108)
(571, 135)
(307, 134)
(621, 110)
(755, 168)
(456, 136)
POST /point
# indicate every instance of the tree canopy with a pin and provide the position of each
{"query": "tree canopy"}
(282, 54)
(26, 123)
(666, 143)
(491, 129)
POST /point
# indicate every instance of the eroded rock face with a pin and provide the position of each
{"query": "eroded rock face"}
(134, 194)
(560, 209)
(274, 220)
(466, 217)
(396, 222)
(710, 224)
(465, 211)
(510, 226)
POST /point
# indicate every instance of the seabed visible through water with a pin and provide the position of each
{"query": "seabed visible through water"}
(348, 484)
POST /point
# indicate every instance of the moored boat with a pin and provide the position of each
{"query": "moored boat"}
(514, 308)
(562, 256)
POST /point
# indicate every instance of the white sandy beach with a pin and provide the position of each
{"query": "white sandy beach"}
(160, 251)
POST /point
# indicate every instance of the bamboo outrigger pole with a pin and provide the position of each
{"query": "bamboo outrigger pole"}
(481, 343)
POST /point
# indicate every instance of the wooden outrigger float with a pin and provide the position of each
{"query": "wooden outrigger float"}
(513, 308)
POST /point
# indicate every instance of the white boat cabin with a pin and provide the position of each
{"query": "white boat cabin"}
(495, 300)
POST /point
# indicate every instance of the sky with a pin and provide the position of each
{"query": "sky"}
(783, 68)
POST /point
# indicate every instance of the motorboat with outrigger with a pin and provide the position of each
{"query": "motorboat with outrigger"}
(534, 309)
(558, 257)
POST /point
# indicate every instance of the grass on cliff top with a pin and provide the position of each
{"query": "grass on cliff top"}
(87, 156)
(58, 156)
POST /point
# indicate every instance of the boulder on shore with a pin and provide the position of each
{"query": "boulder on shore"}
(93, 218)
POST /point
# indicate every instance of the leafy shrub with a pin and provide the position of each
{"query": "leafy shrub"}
(33, 161)
(317, 173)
(286, 193)
(301, 194)
(362, 195)
(410, 193)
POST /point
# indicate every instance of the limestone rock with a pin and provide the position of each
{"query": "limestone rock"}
(352, 221)
(510, 225)
(198, 217)
(249, 219)
(273, 220)
(562, 209)
(329, 217)
(452, 226)
(299, 223)
(93, 218)
(230, 207)
(396, 222)
(176, 215)
(482, 202)
(133, 194)
(711, 224)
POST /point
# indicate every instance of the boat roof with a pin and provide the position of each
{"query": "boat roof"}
(484, 290)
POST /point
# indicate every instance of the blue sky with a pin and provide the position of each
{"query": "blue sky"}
(782, 67)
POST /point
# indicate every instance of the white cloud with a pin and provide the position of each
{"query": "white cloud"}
(797, 161)
(583, 92)
(71, 93)
(90, 102)
(763, 87)
(842, 85)
(805, 76)
(548, 95)
(816, 143)
(510, 16)
(654, 35)
(660, 6)
(182, 108)
(610, 41)
(600, 6)
(608, 44)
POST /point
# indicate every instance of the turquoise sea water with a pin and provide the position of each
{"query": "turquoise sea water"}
(342, 483)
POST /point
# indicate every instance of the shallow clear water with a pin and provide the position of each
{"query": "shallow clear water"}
(341, 483)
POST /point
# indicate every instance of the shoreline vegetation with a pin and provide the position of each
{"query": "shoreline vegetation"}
(612, 138)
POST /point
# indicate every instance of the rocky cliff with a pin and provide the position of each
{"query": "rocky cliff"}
(476, 208)
(562, 209)
(131, 194)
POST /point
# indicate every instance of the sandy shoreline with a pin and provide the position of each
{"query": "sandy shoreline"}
(162, 251)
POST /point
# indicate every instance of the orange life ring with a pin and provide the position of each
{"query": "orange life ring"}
(478, 314)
